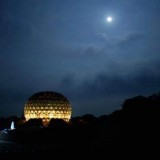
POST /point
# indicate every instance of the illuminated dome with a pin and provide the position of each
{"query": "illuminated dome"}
(47, 105)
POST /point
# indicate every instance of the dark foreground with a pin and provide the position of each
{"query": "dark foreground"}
(133, 131)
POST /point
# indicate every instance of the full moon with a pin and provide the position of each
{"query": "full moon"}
(109, 19)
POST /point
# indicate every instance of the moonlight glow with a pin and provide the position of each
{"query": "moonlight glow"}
(109, 19)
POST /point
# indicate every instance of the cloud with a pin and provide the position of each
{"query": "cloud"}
(140, 77)
(122, 38)
(14, 30)
(140, 80)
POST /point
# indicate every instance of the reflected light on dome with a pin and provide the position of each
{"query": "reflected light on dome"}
(47, 105)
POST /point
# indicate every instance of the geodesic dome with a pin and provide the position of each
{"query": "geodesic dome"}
(47, 105)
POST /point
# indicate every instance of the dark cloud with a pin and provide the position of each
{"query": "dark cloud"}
(104, 85)
(100, 90)
(69, 48)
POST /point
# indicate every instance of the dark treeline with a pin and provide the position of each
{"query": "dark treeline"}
(136, 124)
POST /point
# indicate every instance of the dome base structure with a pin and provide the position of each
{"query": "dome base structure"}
(47, 105)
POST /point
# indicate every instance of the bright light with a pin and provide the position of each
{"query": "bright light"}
(47, 105)
(109, 19)
(12, 125)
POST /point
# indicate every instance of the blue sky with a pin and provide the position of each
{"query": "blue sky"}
(67, 46)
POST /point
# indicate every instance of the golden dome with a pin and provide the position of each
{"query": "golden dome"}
(47, 105)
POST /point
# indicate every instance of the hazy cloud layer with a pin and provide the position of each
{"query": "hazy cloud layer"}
(68, 47)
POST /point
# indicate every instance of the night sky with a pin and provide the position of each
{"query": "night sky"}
(67, 46)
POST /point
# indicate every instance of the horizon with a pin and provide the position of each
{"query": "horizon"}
(97, 116)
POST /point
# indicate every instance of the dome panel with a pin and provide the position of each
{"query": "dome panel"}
(47, 105)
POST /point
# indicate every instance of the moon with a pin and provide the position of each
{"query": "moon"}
(109, 19)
